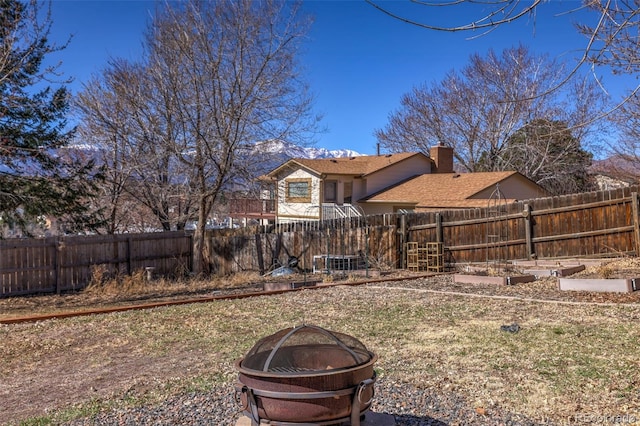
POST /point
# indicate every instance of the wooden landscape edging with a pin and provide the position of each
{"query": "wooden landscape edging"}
(201, 299)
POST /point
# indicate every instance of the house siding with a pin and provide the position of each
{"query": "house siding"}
(515, 187)
(381, 179)
(341, 180)
(390, 178)
(288, 211)
(384, 208)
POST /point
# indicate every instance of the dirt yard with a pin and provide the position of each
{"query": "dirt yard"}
(160, 291)
(147, 355)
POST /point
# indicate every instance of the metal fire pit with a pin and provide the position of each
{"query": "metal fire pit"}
(306, 375)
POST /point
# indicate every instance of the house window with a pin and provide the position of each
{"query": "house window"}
(298, 190)
(330, 191)
(348, 189)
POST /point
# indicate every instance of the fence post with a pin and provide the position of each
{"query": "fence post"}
(636, 221)
(528, 231)
(403, 236)
(128, 255)
(366, 249)
(116, 255)
(59, 248)
(439, 230)
(259, 255)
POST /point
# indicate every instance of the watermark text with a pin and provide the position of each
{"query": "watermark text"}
(603, 419)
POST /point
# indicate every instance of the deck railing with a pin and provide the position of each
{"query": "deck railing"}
(339, 211)
(251, 207)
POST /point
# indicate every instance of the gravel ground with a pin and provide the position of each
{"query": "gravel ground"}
(218, 407)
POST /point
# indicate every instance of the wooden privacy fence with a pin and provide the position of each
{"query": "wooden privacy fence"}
(58, 264)
(595, 224)
(265, 248)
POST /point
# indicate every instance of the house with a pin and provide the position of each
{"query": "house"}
(447, 191)
(617, 171)
(316, 189)
(312, 189)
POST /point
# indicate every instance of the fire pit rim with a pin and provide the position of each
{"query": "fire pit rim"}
(309, 373)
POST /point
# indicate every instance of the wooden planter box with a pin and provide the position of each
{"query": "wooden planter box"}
(556, 272)
(481, 279)
(615, 285)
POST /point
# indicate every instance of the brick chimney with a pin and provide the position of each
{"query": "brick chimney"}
(442, 156)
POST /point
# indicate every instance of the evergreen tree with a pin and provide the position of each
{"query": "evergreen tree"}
(37, 178)
(546, 152)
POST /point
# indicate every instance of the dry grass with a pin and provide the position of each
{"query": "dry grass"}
(138, 284)
(104, 291)
(565, 360)
(626, 267)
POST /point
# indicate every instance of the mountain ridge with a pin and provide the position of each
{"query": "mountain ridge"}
(290, 150)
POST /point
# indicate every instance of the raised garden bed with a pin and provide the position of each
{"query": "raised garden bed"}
(613, 276)
(559, 263)
(615, 285)
(556, 272)
(493, 274)
(498, 280)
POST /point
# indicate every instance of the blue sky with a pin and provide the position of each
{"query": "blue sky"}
(358, 61)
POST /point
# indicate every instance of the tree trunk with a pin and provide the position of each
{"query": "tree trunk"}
(198, 240)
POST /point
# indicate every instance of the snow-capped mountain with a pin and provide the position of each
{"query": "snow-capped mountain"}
(283, 150)
(286, 150)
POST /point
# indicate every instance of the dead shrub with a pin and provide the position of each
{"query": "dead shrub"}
(103, 283)
(605, 271)
(135, 283)
(328, 278)
(99, 276)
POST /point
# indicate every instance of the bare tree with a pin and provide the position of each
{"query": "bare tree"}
(217, 78)
(489, 14)
(624, 161)
(478, 110)
(613, 38)
(610, 37)
(238, 82)
(101, 135)
(126, 126)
